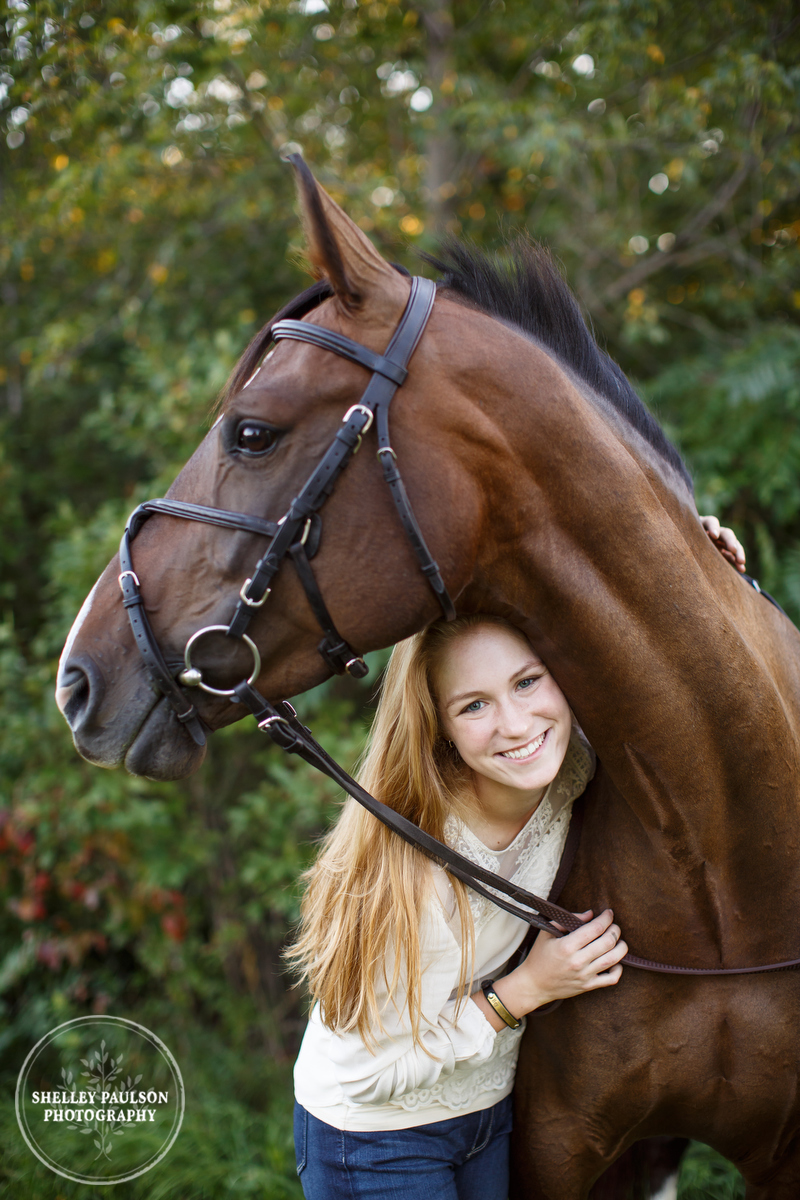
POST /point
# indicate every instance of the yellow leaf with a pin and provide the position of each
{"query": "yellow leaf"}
(411, 225)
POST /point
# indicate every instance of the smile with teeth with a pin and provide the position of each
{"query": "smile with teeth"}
(525, 751)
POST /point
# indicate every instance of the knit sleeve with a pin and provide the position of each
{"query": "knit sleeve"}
(451, 1032)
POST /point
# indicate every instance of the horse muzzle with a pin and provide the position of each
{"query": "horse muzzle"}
(141, 732)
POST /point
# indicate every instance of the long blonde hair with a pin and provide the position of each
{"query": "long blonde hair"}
(366, 891)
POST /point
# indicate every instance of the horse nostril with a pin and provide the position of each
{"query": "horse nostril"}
(79, 692)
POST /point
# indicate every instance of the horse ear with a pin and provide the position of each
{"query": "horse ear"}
(341, 251)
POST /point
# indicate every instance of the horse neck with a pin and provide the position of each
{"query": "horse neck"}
(678, 673)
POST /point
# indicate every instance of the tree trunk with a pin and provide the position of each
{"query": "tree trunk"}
(437, 17)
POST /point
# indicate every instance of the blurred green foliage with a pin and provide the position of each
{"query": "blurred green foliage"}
(149, 228)
(705, 1175)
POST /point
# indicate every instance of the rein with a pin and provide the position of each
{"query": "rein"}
(296, 536)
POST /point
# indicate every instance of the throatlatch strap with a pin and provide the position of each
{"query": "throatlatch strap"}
(334, 649)
(391, 473)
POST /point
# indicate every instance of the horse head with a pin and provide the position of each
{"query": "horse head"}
(277, 420)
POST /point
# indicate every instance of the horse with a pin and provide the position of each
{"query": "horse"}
(548, 495)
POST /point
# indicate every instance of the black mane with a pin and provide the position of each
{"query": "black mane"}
(527, 289)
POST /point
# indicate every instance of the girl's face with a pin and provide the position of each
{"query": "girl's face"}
(503, 710)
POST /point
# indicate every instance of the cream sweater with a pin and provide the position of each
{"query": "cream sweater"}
(467, 1066)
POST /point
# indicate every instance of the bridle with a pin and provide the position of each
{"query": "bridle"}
(296, 536)
(297, 533)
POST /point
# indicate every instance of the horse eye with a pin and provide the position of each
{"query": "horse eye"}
(254, 438)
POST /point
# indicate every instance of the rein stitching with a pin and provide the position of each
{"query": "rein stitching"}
(297, 536)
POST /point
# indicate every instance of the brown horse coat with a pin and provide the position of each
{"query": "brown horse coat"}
(543, 503)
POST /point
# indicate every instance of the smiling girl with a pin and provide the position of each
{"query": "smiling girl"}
(404, 1077)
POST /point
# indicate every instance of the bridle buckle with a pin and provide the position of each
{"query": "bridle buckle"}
(248, 600)
(370, 418)
(133, 576)
(265, 724)
(360, 408)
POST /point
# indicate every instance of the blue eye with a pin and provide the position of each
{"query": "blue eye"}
(475, 706)
(524, 683)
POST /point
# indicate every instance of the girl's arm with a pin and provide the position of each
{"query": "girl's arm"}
(557, 968)
(450, 1033)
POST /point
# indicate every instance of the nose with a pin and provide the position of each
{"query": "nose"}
(512, 721)
(79, 693)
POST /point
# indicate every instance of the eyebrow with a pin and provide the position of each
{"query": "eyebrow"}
(532, 664)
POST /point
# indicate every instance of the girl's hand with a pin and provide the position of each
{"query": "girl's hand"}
(726, 542)
(586, 959)
(557, 968)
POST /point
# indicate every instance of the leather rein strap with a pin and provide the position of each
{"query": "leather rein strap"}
(281, 723)
(296, 535)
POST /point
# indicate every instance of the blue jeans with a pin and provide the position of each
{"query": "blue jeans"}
(465, 1158)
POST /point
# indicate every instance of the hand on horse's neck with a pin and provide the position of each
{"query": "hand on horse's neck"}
(498, 813)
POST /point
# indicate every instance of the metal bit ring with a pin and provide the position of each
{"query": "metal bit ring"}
(191, 677)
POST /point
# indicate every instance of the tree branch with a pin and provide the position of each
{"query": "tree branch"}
(656, 262)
